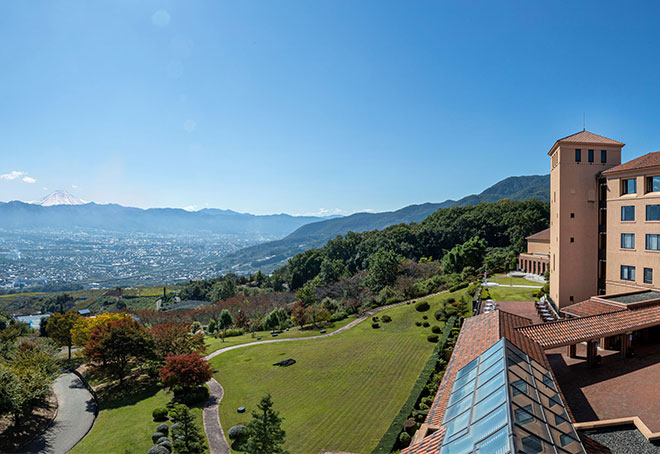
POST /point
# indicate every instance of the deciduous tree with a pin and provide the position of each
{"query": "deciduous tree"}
(185, 371)
(60, 326)
(176, 338)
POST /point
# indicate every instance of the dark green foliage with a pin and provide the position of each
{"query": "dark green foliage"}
(422, 306)
(425, 317)
(237, 432)
(426, 324)
(458, 287)
(383, 266)
(188, 438)
(386, 319)
(159, 449)
(388, 442)
(193, 396)
(436, 329)
(265, 432)
(375, 325)
(159, 414)
(156, 436)
(163, 428)
(469, 254)
(404, 438)
(432, 338)
(418, 323)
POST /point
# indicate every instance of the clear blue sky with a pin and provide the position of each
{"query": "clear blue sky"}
(287, 106)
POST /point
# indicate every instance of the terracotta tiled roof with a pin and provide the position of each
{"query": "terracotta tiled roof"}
(589, 307)
(586, 137)
(572, 331)
(543, 235)
(643, 162)
(429, 445)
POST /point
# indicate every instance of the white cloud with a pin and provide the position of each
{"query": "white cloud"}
(29, 180)
(160, 18)
(12, 175)
(45, 188)
(323, 212)
(191, 208)
(74, 186)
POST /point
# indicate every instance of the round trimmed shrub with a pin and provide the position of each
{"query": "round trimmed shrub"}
(375, 319)
(418, 323)
(158, 449)
(157, 436)
(420, 417)
(422, 306)
(409, 426)
(404, 438)
(422, 406)
(386, 318)
(426, 324)
(375, 325)
(432, 338)
(428, 401)
(160, 414)
(237, 432)
(166, 443)
(436, 329)
(163, 428)
(162, 440)
(425, 317)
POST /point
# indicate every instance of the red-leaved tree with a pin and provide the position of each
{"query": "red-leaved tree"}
(300, 314)
(185, 371)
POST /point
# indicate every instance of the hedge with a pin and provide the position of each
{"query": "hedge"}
(460, 286)
(389, 440)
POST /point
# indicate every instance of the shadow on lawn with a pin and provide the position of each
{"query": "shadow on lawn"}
(128, 393)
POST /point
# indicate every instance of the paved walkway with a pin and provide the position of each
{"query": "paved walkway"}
(75, 416)
(214, 433)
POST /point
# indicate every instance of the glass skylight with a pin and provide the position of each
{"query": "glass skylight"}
(504, 402)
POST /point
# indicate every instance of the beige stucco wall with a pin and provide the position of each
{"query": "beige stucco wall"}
(574, 189)
(638, 257)
(538, 247)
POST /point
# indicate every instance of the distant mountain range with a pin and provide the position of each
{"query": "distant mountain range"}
(270, 255)
(61, 210)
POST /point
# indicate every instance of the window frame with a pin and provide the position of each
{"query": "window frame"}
(627, 273)
(603, 156)
(657, 242)
(624, 243)
(649, 183)
(623, 207)
(625, 186)
(650, 271)
(650, 209)
(578, 155)
(590, 156)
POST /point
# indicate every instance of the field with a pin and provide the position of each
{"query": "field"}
(125, 425)
(503, 279)
(344, 390)
(213, 344)
(511, 293)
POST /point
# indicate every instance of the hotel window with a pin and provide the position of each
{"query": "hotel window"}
(628, 186)
(572, 215)
(627, 273)
(590, 155)
(652, 242)
(628, 241)
(578, 155)
(653, 184)
(653, 212)
(627, 213)
(648, 275)
(603, 156)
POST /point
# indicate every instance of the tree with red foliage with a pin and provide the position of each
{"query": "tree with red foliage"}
(300, 314)
(116, 343)
(185, 371)
(176, 339)
(242, 320)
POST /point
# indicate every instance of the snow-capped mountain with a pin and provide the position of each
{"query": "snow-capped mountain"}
(60, 198)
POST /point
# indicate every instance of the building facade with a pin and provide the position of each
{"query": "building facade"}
(537, 258)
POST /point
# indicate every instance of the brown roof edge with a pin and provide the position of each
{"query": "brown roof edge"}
(647, 161)
(587, 138)
(543, 235)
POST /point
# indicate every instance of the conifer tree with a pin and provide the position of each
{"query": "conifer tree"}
(265, 433)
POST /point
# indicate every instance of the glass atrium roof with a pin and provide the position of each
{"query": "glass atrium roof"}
(504, 402)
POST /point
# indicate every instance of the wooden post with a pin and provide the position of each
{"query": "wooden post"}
(572, 351)
(591, 353)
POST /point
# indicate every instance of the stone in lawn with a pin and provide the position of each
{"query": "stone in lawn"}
(285, 362)
(241, 409)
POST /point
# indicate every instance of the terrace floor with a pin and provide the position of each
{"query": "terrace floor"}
(525, 309)
(618, 388)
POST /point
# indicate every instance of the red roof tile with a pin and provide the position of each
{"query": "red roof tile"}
(572, 331)
(589, 307)
(586, 137)
(429, 445)
(543, 235)
(643, 162)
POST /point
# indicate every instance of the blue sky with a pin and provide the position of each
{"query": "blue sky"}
(287, 106)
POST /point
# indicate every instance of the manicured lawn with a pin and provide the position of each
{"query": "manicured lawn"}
(125, 425)
(344, 390)
(503, 279)
(213, 344)
(511, 293)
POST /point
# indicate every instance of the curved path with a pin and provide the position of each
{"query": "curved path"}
(211, 417)
(75, 417)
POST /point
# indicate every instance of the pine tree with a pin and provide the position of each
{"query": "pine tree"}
(186, 434)
(265, 434)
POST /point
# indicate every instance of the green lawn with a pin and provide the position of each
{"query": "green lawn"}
(503, 279)
(344, 390)
(511, 293)
(213, 344)
(125, 425)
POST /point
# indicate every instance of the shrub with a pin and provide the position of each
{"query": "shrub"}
(339, 315)
(457, 287)
(436, 329)
(166, 443)
(159, 414)
(237, 432)
(418, 323)
(386, 319)
(425, 317)
(404, 439)
(409, 426)
(193, 396)
(163, 428)
(423, 406)
(163, 440)
(158, 449)
(157, 436)
(375, 325)
(422, 306)
(428, 401)
(375, 319)
(432, 338)
(450, 300)
(232, 332)
(426, 324)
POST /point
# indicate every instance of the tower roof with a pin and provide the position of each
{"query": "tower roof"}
(585, 138)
